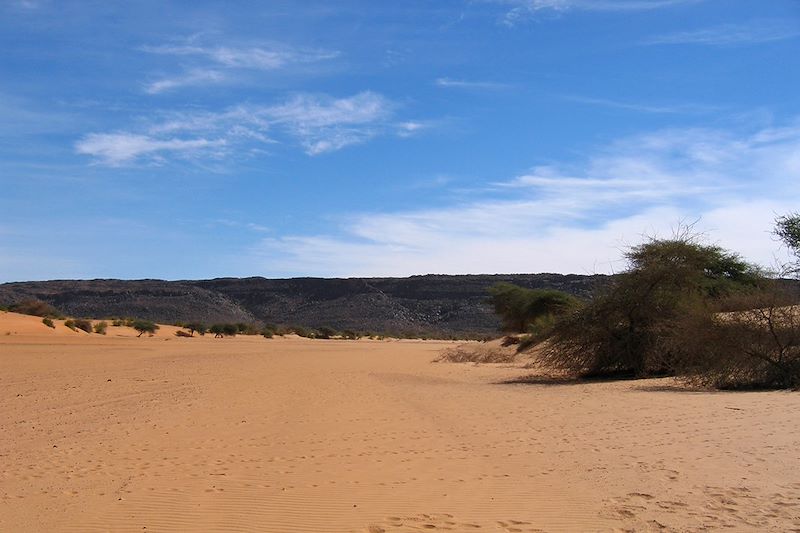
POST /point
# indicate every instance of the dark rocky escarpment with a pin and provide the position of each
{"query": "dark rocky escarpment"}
(432, 304)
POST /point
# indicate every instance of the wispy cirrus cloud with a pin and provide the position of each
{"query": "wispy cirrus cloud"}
(115, 149)
(191, 77)
(249, 57)
(519, 10)
(213, 64)
(731, 34)
(573, 218)
(318, 123)
(642, 107)
(324, 124)
(450, 83)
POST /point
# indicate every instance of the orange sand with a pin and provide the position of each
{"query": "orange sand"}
(119, 433)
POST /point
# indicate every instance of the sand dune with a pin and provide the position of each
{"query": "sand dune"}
(119, 433)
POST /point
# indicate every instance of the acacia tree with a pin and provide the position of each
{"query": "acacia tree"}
(199, 327)
(144, 326)
(787, 229)
(625, 328)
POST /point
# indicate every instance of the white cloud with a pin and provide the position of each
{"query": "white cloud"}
(319, 123)
(192, 77)
(249, 57)
(573, 219)
(524, 9)
(117, 148)
(731, 34)
(324, 124)
(411, 128)
(211, 61)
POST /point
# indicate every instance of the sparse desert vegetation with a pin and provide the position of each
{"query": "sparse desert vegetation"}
(681, 308)
(35, 308)
(76, 324)
(144, 326)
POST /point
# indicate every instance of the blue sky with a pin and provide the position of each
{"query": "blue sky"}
(185, 140)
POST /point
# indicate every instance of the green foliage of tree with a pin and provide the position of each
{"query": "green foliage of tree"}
(787, 229)
(626, 328)
(755, 346)
(520, 308)
(326, 332)
(224, 330)
(144, 326)
(198, 327)
(244, 328)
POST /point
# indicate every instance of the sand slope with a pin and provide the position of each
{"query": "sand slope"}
(248, 434)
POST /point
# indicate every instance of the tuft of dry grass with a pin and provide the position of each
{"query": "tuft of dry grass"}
(485, 352)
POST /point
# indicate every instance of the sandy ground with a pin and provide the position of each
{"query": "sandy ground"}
(119, 433)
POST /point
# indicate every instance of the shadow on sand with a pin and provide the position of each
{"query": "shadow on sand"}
(643, 384)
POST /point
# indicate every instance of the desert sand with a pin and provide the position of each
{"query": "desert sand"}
(118, 433)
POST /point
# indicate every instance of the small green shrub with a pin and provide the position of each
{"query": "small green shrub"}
(48, 322)
(100, 327)
(247, 329)
(83, 325)
(300, 331)
(181, 333)
(70, 324)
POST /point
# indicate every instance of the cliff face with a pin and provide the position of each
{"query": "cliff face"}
(432, 304)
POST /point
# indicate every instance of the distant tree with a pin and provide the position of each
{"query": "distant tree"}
(247, 329)
(326, 332)
(144, 326)
(198, 327)
(224, 330)
(300, 331)
(520, 308)
(787, 229)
